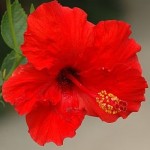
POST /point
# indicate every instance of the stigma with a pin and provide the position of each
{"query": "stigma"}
(110, 103)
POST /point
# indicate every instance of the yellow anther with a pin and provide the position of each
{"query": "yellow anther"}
(110, 103)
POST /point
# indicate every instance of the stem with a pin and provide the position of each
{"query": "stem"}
(18, 56)
(17, 61)
(8, 5)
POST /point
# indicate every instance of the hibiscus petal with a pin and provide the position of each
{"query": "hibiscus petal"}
(49, 123)
(62, 34)
(129, 86)
(129, 83)
(122, 81)
(113, 42)
(92, 109)
(25, 87)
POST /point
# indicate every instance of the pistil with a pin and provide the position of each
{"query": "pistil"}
(108, 102)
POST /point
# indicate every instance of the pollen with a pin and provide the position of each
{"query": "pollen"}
(110, 103)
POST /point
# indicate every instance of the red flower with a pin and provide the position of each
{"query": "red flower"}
(75, 68)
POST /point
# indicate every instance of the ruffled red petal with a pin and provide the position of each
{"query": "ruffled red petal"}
(49, 123)
(124, 82)
(56, 34)
(113, 43)
(27, 86)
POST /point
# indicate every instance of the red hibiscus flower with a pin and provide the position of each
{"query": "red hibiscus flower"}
(75, 68)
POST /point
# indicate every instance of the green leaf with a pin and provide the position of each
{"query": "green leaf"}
(7, 64)
(32, 8)
(1, 101)
(1, 98)
(23, 61)
(1, 79)
(18, 25)
(11, 61)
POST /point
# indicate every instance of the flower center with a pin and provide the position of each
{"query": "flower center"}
(63, 79)
(108, 102)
